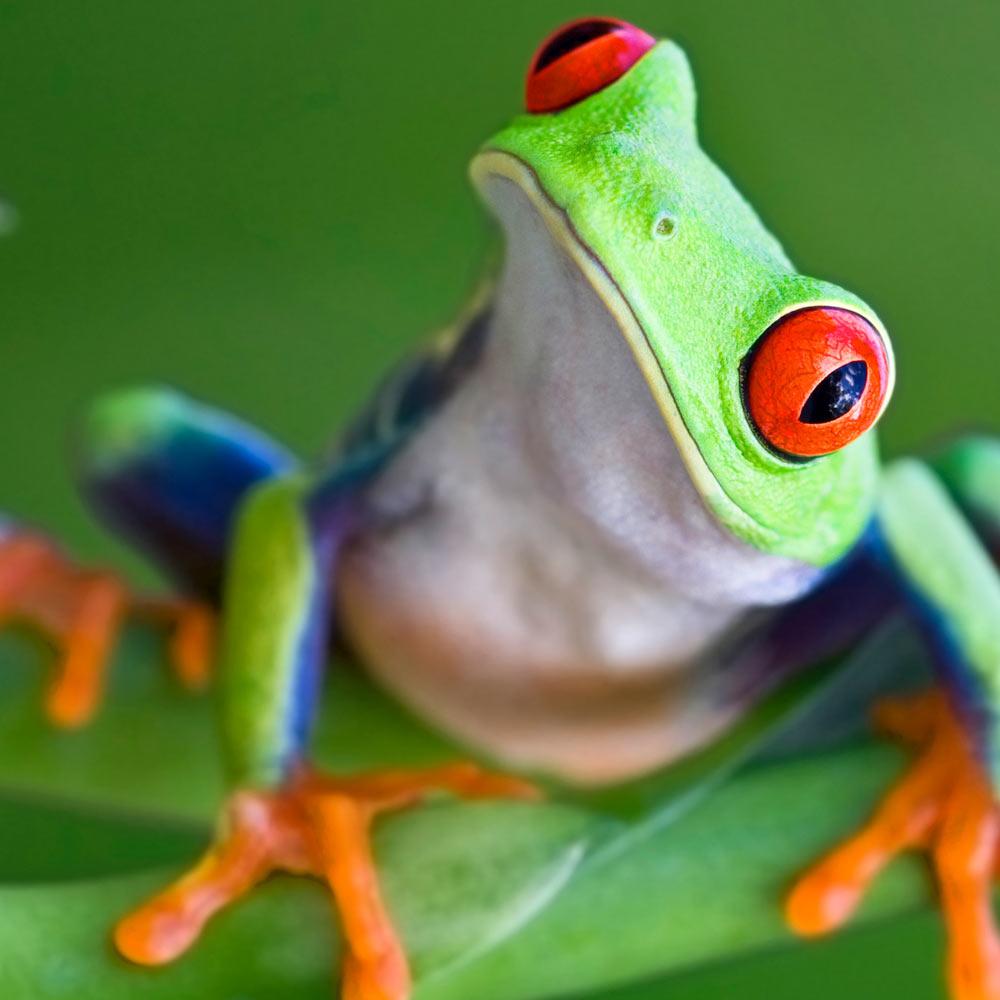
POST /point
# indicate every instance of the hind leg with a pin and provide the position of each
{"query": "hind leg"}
(166, 474)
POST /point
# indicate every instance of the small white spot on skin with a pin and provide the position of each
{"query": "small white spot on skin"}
(9, 218)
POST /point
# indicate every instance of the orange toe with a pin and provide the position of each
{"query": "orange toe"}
(943, 804)
(192, 629)
(87, 640)
(169, 923)
(388, 979)
(314, 825)
(964, 853)
(81, 612)
(375, 966)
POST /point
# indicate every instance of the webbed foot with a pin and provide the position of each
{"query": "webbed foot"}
(81, 612)
(944, 805)
(318, 826)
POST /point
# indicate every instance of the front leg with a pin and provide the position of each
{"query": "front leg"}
(283, 814)
(945, 804)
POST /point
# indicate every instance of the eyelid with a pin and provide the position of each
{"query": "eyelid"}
(580, 59)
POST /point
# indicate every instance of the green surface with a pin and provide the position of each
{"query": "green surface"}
(265, 203)
(497, 901)
(692, 307)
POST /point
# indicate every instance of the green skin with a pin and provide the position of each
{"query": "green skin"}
(689, 305)
(635, 143)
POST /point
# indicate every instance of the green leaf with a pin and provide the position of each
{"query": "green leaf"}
(494, 900)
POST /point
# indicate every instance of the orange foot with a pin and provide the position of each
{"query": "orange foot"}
(317, 826)
(945, 805)
(81, 612)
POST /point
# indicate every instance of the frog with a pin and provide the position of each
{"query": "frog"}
(633, 490)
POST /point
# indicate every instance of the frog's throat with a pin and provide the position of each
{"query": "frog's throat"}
(493, 163)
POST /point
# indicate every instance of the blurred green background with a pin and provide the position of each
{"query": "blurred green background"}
(265, 203)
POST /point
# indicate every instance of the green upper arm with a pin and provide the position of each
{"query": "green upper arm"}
(943, 565)
(269, 600)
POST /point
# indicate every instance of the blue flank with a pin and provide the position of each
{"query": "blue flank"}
(307, 667)
(332, 513)
(954, 671)
(332, 509)
(170, 474)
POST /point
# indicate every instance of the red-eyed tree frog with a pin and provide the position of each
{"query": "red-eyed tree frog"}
(632, 490)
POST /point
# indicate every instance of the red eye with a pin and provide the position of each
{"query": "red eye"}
(816, 381)
(581, 58)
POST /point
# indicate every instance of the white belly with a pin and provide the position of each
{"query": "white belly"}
(566, 632)
(531, 645)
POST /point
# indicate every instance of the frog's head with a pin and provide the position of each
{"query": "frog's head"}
(769, 381)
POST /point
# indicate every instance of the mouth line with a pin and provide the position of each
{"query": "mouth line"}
(498, 163)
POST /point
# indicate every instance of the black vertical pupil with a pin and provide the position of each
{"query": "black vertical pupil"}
(572, 38)
(836, 395)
